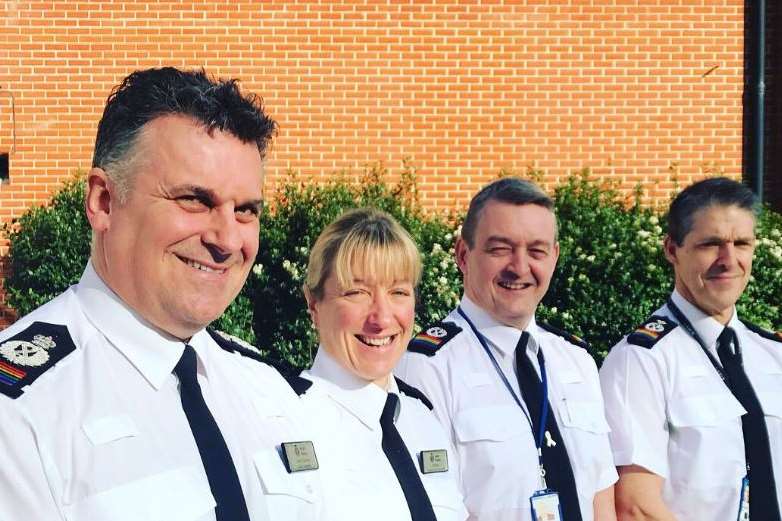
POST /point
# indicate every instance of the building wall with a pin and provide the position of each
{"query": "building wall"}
(641, 91)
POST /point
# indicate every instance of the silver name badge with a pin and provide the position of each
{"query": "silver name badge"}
(434, 461)
(299, 456)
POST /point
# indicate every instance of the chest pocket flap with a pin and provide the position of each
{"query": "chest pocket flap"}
(176, 495)
(584, 415)
(277, 481)
(497, 423)
(707, 410)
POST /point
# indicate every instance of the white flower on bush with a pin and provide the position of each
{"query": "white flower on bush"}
(653, 219)
(644, 234)
(258, 269)
(591, 258)
(292, 269)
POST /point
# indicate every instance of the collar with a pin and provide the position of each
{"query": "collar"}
(707, 327)
(501, 337)
(152, 352)
(361, 398)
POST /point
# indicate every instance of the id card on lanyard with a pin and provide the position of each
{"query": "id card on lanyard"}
(544, 503)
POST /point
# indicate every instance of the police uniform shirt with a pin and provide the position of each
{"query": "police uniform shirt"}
(494, 442)
(671, 413)
(102, 434)
(359, 482)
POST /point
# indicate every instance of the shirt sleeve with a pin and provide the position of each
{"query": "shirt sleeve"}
(25, 492)
(633, 384)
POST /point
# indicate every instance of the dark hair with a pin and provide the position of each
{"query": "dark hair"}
(511, 190)
(716, 191)
(148, 94)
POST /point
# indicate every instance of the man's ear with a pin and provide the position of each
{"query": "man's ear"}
(98, 200)
(461, 250)
(669, 249)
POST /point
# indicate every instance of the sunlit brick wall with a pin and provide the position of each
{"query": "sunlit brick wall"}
(636, 90)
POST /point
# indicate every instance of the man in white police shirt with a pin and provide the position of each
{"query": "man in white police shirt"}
(694, 395)
(520, 400)
(116, 402)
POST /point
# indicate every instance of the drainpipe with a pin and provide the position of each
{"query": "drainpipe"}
(755, 94)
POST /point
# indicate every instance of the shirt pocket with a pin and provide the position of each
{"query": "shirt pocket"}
(584, 415)
(497, 423)
(288, 495)
(712, 410)
(176, 495)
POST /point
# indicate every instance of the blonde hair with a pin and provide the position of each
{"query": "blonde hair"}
(366, 240)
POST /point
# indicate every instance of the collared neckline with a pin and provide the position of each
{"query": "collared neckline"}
(153, 353)
(707, 327)
(364, 400)
(501, 337)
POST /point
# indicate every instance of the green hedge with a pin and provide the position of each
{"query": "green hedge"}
(610, 276)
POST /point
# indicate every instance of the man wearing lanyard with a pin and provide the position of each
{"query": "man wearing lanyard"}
(694, 395)
(520, 400)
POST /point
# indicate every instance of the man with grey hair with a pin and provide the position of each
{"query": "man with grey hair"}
(116, 401)
(520, 399)
(694, 395)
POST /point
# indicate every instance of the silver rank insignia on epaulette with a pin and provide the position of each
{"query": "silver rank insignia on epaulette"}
(235, 339)
(32, 353)
(651, 331)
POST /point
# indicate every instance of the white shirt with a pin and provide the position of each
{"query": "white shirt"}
(497, 456)
(671, 413)
(359, 482)
(102, 434)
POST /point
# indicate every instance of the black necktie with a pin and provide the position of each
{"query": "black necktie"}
(404, 468)
(559, 473)
(220, 470)
(763, 505)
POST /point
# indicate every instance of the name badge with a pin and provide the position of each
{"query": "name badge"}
(433, 461)
(545, 506)
(744, 500)
(299, 456)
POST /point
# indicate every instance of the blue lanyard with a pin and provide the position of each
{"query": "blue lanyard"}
(543, 383)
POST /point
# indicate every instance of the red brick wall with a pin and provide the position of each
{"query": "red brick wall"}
(634, 89)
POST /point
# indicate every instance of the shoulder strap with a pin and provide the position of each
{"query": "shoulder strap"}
(765, 333)
(412, 392)
(29, 354)
(433, 338)
(573, 339)
(235, 344)
(651, 331)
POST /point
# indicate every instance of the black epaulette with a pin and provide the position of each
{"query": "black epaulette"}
(27, 355)
(235, 344)
(432, 338)
(573, 339)
(651, 331)
(765, 333)
(412, 392)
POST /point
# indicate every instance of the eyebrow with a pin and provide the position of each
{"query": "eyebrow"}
(207, 194)
(717, 238)
(505, 240)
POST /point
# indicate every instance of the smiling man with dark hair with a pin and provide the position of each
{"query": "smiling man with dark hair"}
(520, 399)
(117, 402)
(694, 395)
